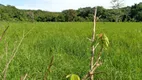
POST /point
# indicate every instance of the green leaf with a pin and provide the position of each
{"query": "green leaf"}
(105, 41)
(68, 76)
(73, 77)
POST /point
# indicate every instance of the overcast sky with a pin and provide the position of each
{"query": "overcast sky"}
(59, 5)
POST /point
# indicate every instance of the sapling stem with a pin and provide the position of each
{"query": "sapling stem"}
(93, 47)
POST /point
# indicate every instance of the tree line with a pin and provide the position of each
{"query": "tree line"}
(125, 14)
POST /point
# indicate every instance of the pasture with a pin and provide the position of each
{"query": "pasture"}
(68, 43)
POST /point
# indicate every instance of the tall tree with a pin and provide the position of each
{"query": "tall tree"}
(136, 12)
(117, 4)
(70, 14)
(85, 12)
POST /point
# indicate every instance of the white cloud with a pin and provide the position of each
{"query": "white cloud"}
(59, 5)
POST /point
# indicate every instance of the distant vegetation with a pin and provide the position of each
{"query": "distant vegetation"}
(127, 14)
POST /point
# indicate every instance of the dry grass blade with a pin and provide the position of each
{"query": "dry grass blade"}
(49, 68)
(24, 78)
(4, 33)
(10, 60)
(4, 72)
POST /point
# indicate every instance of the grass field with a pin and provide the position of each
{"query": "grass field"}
(69, 45)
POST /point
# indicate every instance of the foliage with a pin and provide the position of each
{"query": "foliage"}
(73, 77)
(69, 15)
(103, 40)
(124, 14)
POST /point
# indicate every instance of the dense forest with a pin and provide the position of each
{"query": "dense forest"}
(126, 14)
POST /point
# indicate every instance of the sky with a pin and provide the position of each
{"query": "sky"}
(59, 5)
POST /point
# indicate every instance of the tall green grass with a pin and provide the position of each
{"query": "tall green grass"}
(69, 45)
